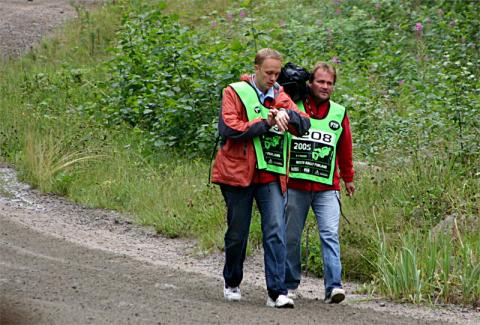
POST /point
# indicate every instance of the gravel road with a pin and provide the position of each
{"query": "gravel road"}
(24, 23)
(61, 263)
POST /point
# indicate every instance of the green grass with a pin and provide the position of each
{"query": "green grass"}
(429, 267)
(3, 191)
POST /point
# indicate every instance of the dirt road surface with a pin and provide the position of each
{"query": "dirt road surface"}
(50, 280)
(62, 263)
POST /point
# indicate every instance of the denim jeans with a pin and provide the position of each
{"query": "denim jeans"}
(271, 204)
(326, 207)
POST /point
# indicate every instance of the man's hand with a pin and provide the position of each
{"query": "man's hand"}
(271, 116)
(350, 188)
(282, 119)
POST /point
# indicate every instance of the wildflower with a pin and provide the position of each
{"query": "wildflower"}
(214, 24)
(401, 82)
(453, 23)
(282, 23)
(229, 16)
(242, 13)
(378, 5)
(440, 12)
(418, 30)
(336, 60)
(338, 11)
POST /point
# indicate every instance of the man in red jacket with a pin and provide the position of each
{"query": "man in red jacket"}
(314, 181)
(251, 164)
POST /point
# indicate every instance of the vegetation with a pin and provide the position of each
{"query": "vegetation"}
(120, 111)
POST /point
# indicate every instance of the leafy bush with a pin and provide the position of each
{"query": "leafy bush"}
(167, 81)
(406, 87)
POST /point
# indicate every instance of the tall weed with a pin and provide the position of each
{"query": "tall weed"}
(427, 268)
(46, 160)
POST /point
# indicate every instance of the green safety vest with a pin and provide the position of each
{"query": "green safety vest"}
(270, 148)
(312, 156)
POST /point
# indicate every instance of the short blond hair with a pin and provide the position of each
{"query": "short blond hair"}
(267, 53)
(325, 67)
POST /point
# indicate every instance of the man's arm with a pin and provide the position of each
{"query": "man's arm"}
(298, 122)
(345, 157)
(233, 121)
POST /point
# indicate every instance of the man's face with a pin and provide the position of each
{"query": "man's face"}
(322, 85)
(267, 73)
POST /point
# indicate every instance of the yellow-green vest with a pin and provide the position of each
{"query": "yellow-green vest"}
(312, 156)
(270, 147)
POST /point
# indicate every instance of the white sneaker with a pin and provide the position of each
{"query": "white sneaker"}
(232, 294)
(336, 296)
(282, 302)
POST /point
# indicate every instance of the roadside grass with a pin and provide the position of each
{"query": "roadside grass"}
(3, 191)
(411, 230)
(47, 159)
(429, 267)
(50, 132)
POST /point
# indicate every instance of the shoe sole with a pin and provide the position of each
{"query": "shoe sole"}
(232, 299)
(286, 306)
(336, 299)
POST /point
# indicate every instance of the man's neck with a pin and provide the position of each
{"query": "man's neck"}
(319, 101)
(264, 91)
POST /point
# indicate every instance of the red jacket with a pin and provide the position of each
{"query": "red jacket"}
(235, 163)
(343, 161)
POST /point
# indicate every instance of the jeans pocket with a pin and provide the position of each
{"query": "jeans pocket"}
(337, 194)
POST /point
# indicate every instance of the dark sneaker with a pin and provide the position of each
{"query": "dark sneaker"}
(336, 296)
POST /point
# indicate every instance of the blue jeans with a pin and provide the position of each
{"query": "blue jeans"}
(271, 204)
(326, 206)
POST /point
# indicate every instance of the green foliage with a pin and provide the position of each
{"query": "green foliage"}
(406, 88)
(428, 267)
(167, 81)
